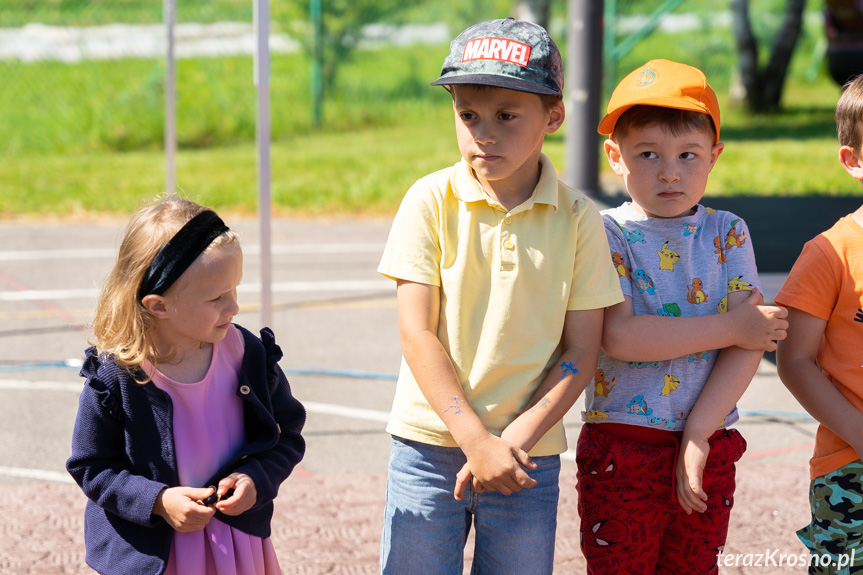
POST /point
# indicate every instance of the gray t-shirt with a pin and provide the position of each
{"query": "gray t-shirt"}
(682, 266)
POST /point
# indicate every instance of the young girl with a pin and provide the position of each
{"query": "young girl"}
(186, 426)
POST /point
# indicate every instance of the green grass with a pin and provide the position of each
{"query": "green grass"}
(16, 13)
(87, 137)
(360, 172)
(118, 105)
(364, 172)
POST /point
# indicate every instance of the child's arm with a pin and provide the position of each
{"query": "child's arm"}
(803, 378)
(492, 460)
(729, 378)
(99, 463)
(582, 331)
(748, 325)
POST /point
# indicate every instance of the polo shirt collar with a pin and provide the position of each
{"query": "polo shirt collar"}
(467, 188)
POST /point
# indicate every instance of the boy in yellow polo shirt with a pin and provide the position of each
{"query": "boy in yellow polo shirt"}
(503, 276)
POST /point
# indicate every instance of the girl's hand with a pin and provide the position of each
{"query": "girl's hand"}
(179, 507)
(244, 497)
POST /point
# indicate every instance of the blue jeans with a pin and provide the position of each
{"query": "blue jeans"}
(425, 528)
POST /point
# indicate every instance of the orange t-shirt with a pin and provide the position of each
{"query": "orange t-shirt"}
(827, 282)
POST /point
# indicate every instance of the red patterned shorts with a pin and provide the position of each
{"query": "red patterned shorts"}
(630, 519)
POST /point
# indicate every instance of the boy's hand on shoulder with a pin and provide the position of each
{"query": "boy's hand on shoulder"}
(179, 507)
(758, 326)
(494, 464)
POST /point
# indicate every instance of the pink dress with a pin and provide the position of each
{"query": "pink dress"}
(208, 430)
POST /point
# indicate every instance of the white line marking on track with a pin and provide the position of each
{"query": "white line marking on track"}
(345, 411)
(108, 253)
(48, 294)
(44, 475)
(39, 474)
(312, 406)
(278, 287)
(26, 385)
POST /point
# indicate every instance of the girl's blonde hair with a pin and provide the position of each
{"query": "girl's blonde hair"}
(122, 326)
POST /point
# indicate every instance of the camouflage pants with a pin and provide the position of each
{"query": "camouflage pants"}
(836, 529)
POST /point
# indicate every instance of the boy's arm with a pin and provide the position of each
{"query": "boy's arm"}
(582, 331)
(749, 325)
(729, 378)
(558, 391)
(731, 375)
(795, 360)
(495, 462)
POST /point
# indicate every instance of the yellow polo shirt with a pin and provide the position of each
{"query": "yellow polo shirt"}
(507, 279)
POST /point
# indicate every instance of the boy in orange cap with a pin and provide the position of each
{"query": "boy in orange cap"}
(681, 348)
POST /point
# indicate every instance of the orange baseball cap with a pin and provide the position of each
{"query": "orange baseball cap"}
(666, 84)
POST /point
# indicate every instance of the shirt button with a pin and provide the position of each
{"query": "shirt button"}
(508, 220)
(245, 390)
(509, 245)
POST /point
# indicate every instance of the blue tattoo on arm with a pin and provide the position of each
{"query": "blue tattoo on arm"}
(456, 404)
(567, 368)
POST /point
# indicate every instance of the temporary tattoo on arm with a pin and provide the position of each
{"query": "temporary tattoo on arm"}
(456, 405)
(567, 368)
(539, 403)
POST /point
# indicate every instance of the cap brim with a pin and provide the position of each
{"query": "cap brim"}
(497, 81)
(606, 125)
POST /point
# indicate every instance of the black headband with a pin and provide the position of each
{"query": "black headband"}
(180, 251)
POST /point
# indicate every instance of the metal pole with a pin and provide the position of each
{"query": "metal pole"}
(584, 81)
(316, 16)
(262, 81)
(609, 45)
(169, 16)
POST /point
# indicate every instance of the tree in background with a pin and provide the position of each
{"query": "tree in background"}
(762, 86)
(341, 30)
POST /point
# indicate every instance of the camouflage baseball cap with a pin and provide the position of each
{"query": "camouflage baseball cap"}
(504, 53)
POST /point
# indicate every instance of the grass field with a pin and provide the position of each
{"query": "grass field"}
(87, 137)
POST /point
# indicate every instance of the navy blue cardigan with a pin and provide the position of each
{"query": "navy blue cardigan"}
(123, 455)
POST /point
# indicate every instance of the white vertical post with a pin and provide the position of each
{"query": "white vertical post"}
(262, 81)
(169, 16)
